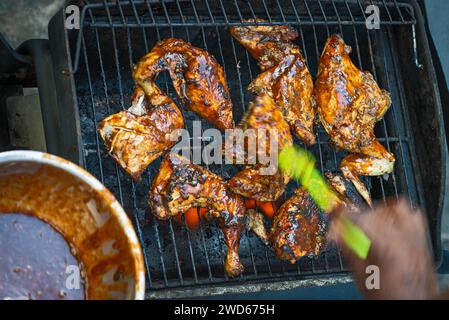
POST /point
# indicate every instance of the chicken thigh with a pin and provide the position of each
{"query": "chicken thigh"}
(300, 228)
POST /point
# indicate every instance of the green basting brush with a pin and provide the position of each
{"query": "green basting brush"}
(301, 165)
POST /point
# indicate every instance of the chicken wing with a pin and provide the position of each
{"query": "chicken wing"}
(255, 181)
(349, 104)
(285, 75)
(180, 185)
(197, 77)
(139, 135)
(346, 192)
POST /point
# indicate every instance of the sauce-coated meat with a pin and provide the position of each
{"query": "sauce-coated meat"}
(285, 75)
(299, 228)
(349, 104)
(139, 135)
(253, 182)
(197, 77)
(181, 185)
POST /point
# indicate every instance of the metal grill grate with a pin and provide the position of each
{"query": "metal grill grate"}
(115, 35)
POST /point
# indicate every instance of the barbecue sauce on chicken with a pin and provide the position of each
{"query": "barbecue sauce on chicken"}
(36, 262)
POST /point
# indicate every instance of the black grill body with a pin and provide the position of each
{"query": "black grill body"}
(92, 70)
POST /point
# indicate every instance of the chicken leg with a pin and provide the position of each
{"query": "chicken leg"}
(180, 185)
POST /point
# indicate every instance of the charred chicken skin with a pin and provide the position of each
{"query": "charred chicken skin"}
(285, 75)
(346, 192)
(139, 135)
(197, 77)
(180, 185)
(252, 182)
(300, 228)
(349, 104)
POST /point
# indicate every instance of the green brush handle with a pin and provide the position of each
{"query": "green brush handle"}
(300, 164)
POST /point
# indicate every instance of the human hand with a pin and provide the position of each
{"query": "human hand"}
(400, 253)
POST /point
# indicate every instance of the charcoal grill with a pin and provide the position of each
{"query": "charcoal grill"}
(92, 79)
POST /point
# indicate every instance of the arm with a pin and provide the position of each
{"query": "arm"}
(400, 249)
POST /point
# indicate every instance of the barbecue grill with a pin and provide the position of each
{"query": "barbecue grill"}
(90, 78)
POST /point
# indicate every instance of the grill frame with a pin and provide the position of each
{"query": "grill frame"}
(419, 54)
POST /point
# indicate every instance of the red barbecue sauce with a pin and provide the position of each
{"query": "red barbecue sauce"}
(34, 260)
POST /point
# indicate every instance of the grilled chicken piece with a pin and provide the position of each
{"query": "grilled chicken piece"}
(180, 185)
(139, 135)
(346, 192)
(285, 75)
(256, 224)
(255, 181)
(253, 184)
(197, 77)
(299, 228)
(349, 104)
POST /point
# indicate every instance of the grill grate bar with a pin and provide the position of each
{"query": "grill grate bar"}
(373, 70)
(91, 147)
(320, 151)
(222, 62)
(384, 125)
(223, 23)
(203, 241)
(319, 142)
(150, 11)
(243, 104)
(97, 141)
(135, 221)
(251, 77)
(338, 18)
(134, 214)
(401, 96)
(133, 188)
(399, 11)
(117, 65)
(203, 36)
(201, 227)
(388, 11)
(170, 223)
(195, 12)
(187, 231)
(361, 9)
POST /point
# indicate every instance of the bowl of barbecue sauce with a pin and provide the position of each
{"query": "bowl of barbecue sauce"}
(63, 235)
